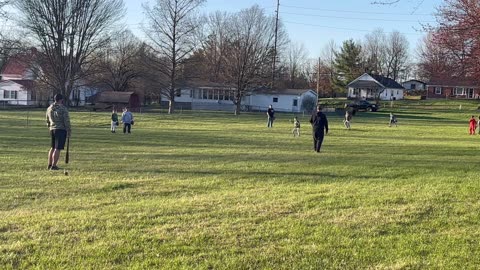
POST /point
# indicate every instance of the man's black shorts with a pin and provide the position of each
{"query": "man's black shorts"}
(59, 136)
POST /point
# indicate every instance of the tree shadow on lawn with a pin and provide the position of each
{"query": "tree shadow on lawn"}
(320, 177)
(403, 116)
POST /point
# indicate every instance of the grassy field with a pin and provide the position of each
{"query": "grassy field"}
(215, 191)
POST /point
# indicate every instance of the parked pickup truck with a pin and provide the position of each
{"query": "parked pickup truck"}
(363, 105)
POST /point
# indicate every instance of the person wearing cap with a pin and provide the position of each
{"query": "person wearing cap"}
(58, 122)
(319, 124)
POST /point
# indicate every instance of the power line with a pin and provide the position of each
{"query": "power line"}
(359, 12)
(417, 7)
(349, 29)
(353, 18)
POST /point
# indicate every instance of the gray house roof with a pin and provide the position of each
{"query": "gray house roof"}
(114, 97)
(380, 82)
(410, 81)
(386, 82)
(276, 91)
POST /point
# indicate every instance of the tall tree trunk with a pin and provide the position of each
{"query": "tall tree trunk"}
(171, 105)
(237, 108)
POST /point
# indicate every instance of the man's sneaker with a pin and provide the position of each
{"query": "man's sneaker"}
(49, 167)
(54, 168)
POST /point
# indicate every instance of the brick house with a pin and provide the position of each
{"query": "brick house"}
(453, 88)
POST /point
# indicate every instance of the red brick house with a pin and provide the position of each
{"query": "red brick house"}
(453, 88)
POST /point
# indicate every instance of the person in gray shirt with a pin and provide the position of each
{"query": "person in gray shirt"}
(127, 120)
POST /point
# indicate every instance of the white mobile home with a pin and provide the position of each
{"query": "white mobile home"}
(282, 100)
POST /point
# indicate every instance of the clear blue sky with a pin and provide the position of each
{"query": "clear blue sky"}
(315, 22)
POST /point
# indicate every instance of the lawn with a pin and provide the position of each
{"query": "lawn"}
(201, 190)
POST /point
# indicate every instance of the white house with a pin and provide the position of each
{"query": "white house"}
(220, 97)
(17, 84)
(205, 96)
(370, 86)
(16, 81)
(411, 85)
(81, 94)
(282, 100)
(17, 92)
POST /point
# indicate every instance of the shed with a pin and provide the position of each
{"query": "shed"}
(109, 99)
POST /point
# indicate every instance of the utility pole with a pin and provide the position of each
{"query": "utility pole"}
(318, 79)
(275, 46)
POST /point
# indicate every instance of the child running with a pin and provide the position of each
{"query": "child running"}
(473, 125)
(348, 118)
(393, 120)
(296, 127)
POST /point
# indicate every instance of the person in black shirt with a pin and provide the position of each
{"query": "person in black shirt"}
(271, 116)
(319, 124)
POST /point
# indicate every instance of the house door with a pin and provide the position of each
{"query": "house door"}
(295, 105)
(470, 93)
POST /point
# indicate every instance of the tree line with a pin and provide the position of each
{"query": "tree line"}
(80, 42)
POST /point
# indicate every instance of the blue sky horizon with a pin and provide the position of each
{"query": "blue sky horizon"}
(315, 23)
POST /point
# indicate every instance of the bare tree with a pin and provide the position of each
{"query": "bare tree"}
(68, 32)
(327, 68)
(250, 50)
(3, 3)
(151, 82)
(10, 46)
(374, 51)
(119, 64)
(171, 32)
(214, 45)
(396, 55)
(296, 65)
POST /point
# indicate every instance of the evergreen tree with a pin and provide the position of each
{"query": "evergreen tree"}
(348, 65)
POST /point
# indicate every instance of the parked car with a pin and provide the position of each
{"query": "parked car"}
(363, 105)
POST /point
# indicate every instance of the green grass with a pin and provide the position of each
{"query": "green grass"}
(215, 191)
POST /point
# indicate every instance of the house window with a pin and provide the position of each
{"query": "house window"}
(295, 102)
(205, 94)
(197, 94)
(10, 94)
(275, 99)
(458, 91)
(412, 86)
(397, 92)
(391, 93)
(438, 90)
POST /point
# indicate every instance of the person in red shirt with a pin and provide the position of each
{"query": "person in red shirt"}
(473, 125)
